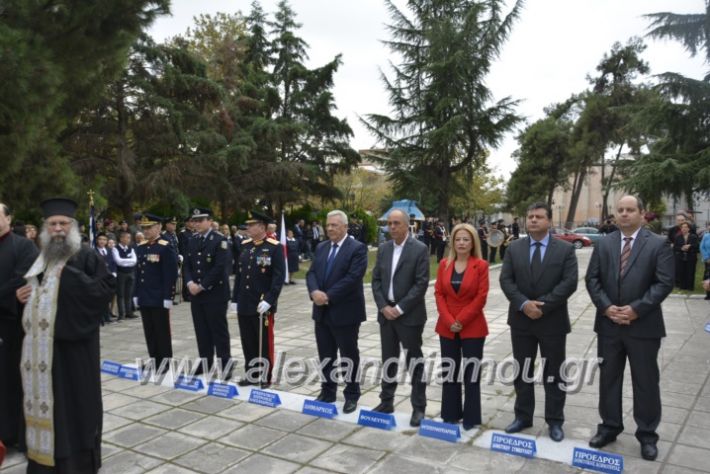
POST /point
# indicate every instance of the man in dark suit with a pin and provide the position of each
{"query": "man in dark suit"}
(16, 257)
(399, 282)
(206, 268)
(631, 272)
(440, 237)
(539, 274)
(335, 287)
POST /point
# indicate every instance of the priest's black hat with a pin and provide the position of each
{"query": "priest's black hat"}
(58, 207)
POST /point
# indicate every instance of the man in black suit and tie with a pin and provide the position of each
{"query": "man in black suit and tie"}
(631, 272)
(539, 274)
(399, 282)
(335, 287)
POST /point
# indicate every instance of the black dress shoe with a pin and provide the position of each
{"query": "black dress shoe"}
(556, 433)
(384, 407)
(325, 398)
(649, 451)
(517, 425)
(349, 406)
(600, 440)
(417, 417)
(245, 383)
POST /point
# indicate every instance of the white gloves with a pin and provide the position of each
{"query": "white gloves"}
(263, 307)
(234, 307)
(135, 301)
(180, 258)
(167, 304)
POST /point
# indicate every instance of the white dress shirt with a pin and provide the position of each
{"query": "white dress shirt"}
(633, 239)
(124, 262)
(396, 254)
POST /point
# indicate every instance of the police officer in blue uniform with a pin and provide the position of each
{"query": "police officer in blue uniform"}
(258, 281)
(206, 273)
(169, 233)
(184, 237)
(156, 271)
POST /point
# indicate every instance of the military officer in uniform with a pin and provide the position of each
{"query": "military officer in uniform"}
(170, 235)
(155, 280)
(258, 281)
(184, 237)
(206, 273)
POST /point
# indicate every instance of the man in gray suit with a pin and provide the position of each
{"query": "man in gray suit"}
(631, 272)
(539, 275)
(399, 282)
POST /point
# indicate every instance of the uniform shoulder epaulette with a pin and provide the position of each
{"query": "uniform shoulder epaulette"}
(272, 241)
(246, 241)
(143, 243)
(163, 242)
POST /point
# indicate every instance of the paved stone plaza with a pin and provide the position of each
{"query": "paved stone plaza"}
(156, 429)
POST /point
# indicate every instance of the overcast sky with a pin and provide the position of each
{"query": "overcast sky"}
(554, 45)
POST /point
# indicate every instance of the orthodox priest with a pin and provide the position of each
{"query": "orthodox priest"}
(66, 295)
(16, 256)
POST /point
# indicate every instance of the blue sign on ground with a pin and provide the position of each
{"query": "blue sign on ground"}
(193, 384)
(375, 419)
(514, 445)
(264, 398)
(109, 367)
(707, 327)
(440, 430)
(130, 373)
(222, 390)
(322, 409)
(599, 461)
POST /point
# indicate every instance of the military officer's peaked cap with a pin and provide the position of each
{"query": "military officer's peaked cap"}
(200, 212)
(148, 220)
(256, 217)
(171, 220)
(58, 207)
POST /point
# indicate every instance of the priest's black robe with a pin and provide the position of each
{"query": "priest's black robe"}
(85, 289)
(16, 257)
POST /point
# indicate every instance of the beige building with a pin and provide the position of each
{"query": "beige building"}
(589, 207)
(590, 204)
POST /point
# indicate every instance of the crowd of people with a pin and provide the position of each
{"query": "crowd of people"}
(62, 290)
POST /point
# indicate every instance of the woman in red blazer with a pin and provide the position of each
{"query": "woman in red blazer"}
(461, 290)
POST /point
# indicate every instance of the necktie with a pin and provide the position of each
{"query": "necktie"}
(536, 262)
(625, 254)
(329, 262)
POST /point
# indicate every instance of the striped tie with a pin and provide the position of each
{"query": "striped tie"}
(625, 254)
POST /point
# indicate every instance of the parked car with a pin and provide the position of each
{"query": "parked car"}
(577, 240)
(592, 233)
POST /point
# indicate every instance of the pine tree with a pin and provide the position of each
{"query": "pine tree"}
(57, 59)
(443, 121)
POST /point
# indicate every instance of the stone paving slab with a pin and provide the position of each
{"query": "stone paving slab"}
(156, 429)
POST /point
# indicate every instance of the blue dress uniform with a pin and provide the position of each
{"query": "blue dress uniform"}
(172, 238)
(184, 237)
(207, 264)
(259, 277)
(155, 279)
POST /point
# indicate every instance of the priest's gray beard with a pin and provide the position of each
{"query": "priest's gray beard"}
(61, 246)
